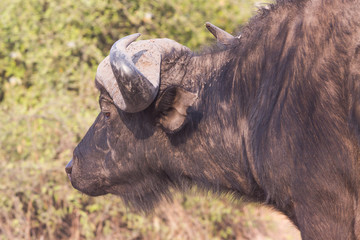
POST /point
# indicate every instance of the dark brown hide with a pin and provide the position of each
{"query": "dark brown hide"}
(276, 121)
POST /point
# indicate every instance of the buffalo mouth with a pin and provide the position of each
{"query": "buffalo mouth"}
(87, 186)
(93, 190)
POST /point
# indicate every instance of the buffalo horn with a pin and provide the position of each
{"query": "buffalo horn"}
(136, 90)
(222, 36)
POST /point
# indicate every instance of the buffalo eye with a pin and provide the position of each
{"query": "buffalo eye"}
(107, 115)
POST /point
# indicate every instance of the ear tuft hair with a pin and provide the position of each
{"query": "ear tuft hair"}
(172, 108)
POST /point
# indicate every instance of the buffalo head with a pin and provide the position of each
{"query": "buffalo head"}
(147, 89)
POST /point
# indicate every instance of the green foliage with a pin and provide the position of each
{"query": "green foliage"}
(49, 52)
(59, 42)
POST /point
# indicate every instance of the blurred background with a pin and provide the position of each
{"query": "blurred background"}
(49, 52)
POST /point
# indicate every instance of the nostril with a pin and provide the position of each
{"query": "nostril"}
(68, 167)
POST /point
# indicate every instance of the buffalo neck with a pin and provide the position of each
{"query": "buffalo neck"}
(211, 151)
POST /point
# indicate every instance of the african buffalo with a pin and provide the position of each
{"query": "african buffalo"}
(272, 116)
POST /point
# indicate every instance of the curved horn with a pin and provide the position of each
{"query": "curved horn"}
(222, 36)
(136, 90)
(131, 73)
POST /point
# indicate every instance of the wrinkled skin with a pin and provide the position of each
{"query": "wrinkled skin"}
(276, 120)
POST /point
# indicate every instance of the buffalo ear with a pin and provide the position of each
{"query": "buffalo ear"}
(172, 108)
